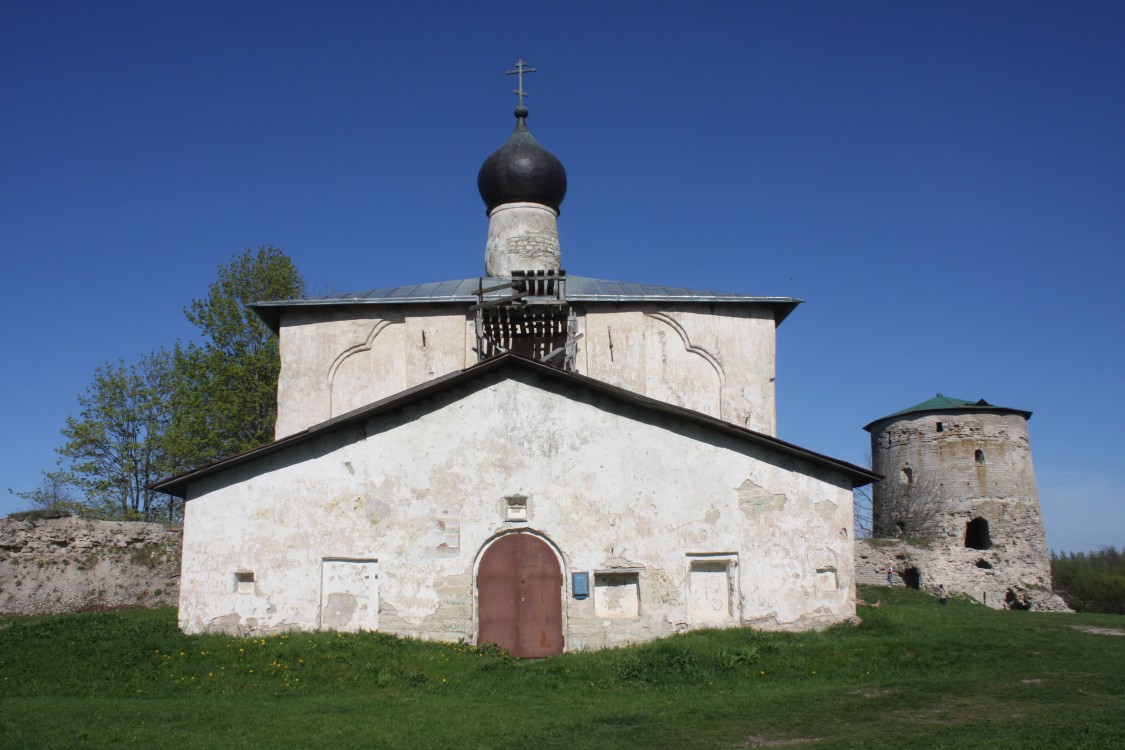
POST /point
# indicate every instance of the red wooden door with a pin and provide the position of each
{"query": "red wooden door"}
(519, 590)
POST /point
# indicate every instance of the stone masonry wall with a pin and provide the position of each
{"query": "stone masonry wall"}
(926, 569)
(71, 564)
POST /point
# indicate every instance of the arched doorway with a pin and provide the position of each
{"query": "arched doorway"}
(519, 597)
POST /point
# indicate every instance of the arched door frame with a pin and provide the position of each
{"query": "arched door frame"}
(564, 590)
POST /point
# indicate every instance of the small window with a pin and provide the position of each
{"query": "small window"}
(907, 475)
(617, 595)
(516, 507)
(827, 580)
(244, 582)
(979, 456)
(940, 427)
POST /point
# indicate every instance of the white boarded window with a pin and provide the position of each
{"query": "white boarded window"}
(711, 591)
(617, 594)
(349, 595)
(827, 580)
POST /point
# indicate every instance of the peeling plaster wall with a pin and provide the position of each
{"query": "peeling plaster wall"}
(612, 488)
(337, 360)
(717, 362)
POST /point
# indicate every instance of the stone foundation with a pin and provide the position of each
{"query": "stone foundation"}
(983, 575)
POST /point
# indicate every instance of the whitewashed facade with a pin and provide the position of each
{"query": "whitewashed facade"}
(588, 464)
(678, 519)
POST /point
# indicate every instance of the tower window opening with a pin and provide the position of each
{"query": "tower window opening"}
(941, 427)
(907, 475)
(976, 534)
(979, 456)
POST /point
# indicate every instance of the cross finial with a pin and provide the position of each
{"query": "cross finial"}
(521, 68)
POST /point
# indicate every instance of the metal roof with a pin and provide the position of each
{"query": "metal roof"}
(578, 289)
(941, 403)
(178, 485)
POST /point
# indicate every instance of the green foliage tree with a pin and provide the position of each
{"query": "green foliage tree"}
(113, 449)
(1091, 582)
(175, 410)
(54, 493)
(224, 392)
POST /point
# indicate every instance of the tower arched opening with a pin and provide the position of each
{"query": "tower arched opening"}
(976, 534)
(912, 578)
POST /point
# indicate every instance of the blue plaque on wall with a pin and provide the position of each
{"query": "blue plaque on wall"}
(580, 584)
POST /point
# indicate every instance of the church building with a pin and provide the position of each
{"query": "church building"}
(543, 461)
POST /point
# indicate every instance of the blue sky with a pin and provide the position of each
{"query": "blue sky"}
(943, 182)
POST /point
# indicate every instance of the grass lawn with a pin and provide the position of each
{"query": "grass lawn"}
(913, 674)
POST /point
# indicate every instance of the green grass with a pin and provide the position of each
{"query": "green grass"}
(913, 674)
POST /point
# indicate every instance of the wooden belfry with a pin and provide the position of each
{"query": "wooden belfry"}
(530, 317)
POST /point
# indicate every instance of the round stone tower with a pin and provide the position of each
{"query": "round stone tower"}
(960, 481)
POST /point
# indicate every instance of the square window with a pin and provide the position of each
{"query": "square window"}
(827, 579)
(516, 507)
(244, 582)
(617, 594)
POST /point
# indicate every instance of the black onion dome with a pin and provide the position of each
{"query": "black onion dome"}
(522, 171)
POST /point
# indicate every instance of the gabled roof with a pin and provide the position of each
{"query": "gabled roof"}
(177, 485)
(943, 403)
(578, 289)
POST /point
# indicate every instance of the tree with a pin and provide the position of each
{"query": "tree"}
(224, 392)
(114, 447)
(1091, 582)
(898, 507)
(55, 492)
(175, 410)
(862, 511)
(907, 510)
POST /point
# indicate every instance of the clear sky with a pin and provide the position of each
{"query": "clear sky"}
(942, 182)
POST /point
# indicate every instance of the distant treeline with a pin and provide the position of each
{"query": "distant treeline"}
(1091, 581)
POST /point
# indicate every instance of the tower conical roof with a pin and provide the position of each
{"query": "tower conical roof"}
(941, 403)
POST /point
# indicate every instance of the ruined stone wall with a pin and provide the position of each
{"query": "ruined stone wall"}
(71, 564)
(923, 568)
(989, 539)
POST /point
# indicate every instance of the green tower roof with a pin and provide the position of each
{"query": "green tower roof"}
(942, 402)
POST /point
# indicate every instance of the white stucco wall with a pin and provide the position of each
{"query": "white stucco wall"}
(336, 360)
(716, 361)
(417, 495)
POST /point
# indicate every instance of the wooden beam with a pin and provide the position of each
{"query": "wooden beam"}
(498, 302)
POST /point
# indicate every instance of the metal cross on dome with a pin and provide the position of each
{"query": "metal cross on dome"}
(521, 68)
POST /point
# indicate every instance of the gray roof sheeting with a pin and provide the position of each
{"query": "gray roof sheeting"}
(578, 289)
